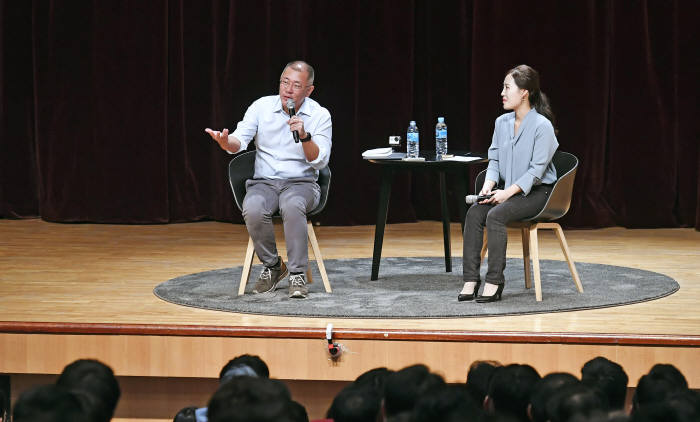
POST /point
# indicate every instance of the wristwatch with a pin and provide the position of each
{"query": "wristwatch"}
(307, 139)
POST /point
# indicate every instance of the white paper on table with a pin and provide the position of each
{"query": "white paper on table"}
(461, 158)
(377, 152)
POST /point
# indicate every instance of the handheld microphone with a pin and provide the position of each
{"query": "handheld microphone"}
(292, 112)
(470, 199)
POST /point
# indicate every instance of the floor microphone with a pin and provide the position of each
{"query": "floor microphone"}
(292, 112)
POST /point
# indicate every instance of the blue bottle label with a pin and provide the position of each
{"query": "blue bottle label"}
(441, 133)
(412, 137)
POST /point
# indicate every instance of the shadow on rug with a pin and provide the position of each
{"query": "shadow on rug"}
(418, 288)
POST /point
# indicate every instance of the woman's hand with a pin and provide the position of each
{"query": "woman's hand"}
(486, 189)
(501, 195)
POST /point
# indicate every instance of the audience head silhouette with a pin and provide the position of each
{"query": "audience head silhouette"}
(608, 377)
(49, 403)
(95, 380)
(575, 400)
(361, 400)
(355, 403)
(544, 390)
(509, 390)
(245, 398)
(478, 378)
(682, 406)
(403, 389)
(374, 378)
(448, 403)
(662, 381)
(249, 365)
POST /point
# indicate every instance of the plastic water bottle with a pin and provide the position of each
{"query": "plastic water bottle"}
(440, 138)
(412, 141)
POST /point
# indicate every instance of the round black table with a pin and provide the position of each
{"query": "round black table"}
(393, 163)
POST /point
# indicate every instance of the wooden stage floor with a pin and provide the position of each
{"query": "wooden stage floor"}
(85, 290)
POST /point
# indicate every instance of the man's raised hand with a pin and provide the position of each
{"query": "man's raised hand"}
(222, 138)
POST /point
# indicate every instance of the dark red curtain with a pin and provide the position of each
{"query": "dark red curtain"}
(103, 104)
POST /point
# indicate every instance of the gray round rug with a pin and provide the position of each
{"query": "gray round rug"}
(418, 288)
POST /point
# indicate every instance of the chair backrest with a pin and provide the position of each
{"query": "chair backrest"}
(479, 182)
(242, 167)
(559, 200)
(324, 182)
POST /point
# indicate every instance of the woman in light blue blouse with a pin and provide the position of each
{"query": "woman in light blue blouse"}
(519, 179)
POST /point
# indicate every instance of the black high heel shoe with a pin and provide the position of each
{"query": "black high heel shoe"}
(493, 298)
(464, 297)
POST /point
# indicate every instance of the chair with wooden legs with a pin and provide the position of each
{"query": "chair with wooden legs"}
(242, 168)
(556, 207)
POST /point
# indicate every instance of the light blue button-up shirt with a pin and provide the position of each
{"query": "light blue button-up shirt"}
(523, 158)
(278, 156)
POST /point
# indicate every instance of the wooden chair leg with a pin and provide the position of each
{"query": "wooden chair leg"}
(318, 256)
(525, 232)
(534, 252)
(309, 278)
(567, 254)
(484, 244)
(247, 264)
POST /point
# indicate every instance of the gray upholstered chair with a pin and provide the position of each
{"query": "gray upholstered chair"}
(556, 207)
(242, 168)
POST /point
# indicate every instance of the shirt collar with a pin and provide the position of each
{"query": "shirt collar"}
(532, 112)
(305, 106)
(528, 117)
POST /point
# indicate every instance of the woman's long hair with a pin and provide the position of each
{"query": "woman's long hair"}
(526, 77)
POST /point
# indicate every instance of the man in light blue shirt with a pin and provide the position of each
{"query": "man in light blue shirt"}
(285, 173)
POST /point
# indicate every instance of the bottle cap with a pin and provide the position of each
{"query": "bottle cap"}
(441, 120)
(412, 123)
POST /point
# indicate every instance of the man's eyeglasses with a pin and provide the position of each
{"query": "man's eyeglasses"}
(295, 86)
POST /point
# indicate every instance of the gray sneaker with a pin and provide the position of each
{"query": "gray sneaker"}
(297, 286)
(269, 277)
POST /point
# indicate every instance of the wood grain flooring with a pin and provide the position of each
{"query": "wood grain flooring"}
(70, 291)
(86, 273)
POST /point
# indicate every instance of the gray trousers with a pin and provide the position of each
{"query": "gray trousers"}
(292, 198)
(495, 218)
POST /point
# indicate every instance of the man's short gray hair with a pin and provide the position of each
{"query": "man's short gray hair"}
(300, 65)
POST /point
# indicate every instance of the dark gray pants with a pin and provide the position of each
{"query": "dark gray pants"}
(495, 218)
(293, 198)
